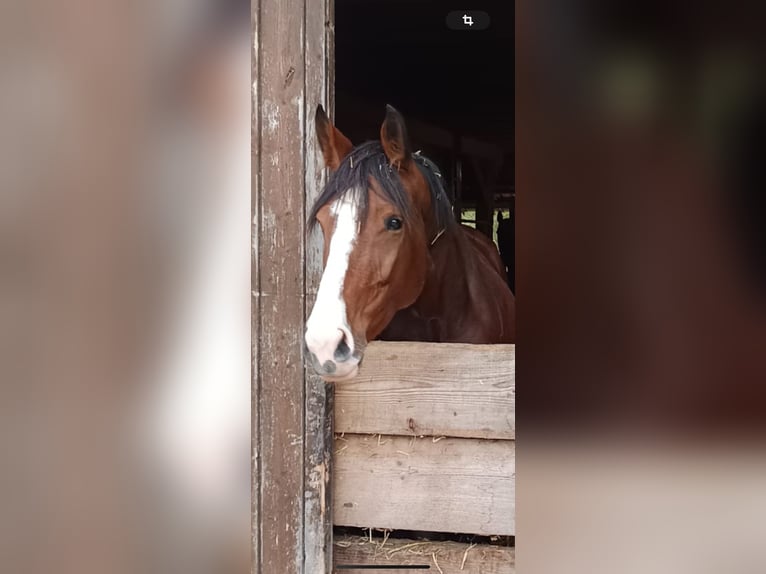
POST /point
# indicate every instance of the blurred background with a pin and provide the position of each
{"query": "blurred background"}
(641, 244)
(124, 286)
(640, 248)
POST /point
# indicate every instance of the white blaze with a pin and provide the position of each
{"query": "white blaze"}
(329, 313)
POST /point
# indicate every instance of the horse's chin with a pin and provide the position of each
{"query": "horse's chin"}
(343, 377)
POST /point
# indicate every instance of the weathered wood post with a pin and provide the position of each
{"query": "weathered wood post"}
(292, 412)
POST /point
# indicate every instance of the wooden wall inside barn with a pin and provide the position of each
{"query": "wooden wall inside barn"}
(292, 435)
(425, 441)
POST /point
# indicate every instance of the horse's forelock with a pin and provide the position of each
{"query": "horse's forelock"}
(368, 162)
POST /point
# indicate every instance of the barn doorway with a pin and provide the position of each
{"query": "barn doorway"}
(353, 57)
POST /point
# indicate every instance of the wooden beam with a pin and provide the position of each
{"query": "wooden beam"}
(292, 434)
(435, 389)
(487, 174)
(457, 180)
(425, 484)
(255, 282)
(318, 435)
(478, 148)
(450, 557)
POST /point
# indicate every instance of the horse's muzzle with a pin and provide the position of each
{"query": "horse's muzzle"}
(343, 366)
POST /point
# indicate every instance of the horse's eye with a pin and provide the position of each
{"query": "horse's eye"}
(393, 223)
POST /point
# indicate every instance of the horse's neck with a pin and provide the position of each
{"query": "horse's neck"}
(445, 295)
(447, 281)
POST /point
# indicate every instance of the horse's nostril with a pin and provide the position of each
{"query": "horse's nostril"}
(343, 351)
(328, 367)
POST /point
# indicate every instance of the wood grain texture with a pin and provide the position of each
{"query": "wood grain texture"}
(255, 322)
(318, 439)
(450, 557)
(427, 484)
(292, 445)
(435, 389)
(317, 524)
(280, 195)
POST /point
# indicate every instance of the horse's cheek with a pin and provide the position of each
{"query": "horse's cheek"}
(416, 269)
(387, 264)
(422, 266)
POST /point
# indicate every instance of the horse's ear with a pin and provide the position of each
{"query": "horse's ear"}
(334, 145)
(393, 136)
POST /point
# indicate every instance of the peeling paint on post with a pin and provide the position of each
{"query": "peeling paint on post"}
(292, 413)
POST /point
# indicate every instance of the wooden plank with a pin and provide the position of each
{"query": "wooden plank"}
(280, 193)
(451, 485)
(317, 527)
(435, 389)
(449, 557)
(318, 439)
(255, 322)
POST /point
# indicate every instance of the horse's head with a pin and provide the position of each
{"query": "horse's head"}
(375, 214)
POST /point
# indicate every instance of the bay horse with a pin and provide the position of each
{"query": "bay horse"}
(397, 265)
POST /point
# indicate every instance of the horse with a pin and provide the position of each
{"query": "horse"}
(397, 265)
(506, 242)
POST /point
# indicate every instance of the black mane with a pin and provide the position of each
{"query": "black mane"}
(368, 160)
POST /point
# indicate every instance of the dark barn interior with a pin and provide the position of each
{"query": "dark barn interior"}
(454, 88)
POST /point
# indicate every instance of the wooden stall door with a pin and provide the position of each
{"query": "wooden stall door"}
(292, 434)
